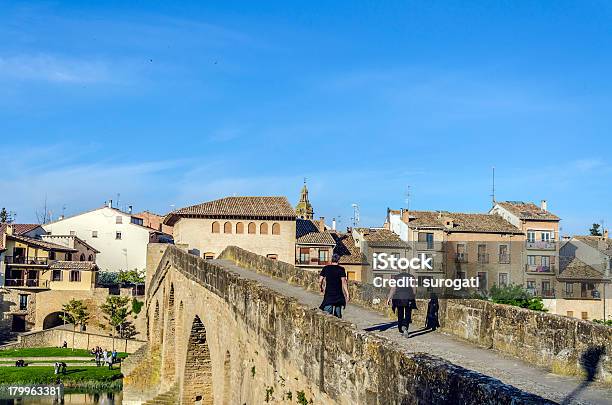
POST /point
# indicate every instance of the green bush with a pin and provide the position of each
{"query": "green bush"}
(517, 296)
(603, 322)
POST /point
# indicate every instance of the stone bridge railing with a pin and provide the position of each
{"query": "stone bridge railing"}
(552, 341)
(343, 364)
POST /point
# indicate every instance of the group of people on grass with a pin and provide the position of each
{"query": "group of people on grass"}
(59, 367)
(334, 285)
(104, 357)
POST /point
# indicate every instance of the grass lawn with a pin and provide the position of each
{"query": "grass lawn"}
(48, 352)
(75, 377)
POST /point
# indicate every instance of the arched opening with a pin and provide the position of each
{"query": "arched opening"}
(239, 227)
(82, 258)
(169, 366)
(227, 227)
(156, 326)
(52, 320)
(276, 228)
(90, 259)
(263, 228)
(252, 228)
(227, 379)
(197, 380)
(215, 227)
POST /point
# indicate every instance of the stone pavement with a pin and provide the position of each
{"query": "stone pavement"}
(512, 371)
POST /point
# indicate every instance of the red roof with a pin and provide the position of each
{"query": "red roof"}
(18, 229)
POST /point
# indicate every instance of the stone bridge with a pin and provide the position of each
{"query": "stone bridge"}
(221, 333)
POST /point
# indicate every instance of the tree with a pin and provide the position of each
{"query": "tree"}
(4, 216)
(595, 230)
(136, 277)
(75, 312)
(116, 310)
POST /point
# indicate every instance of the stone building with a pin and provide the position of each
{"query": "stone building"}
(154, 221)
(314, 245)
(262, 225)
(541, 247)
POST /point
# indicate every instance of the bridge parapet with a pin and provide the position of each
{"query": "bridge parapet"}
(552, 341)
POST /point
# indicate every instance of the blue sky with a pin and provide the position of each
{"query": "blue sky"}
(174, 104)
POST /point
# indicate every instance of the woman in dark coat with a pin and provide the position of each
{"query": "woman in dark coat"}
(431, 322)
(402, 299)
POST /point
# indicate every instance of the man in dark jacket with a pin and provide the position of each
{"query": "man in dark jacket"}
(333, 282)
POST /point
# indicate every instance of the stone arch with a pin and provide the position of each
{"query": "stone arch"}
(169, 356)
(263, 228)
(276, 228)
(215, 227)
(52, 320)
(227, 227)
(227, 379)
(82, 258)
(252, 228)
(197, 377)
(240, 227)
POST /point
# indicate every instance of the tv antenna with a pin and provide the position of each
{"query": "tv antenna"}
(355, 215)
(493, 187)
(408, 198)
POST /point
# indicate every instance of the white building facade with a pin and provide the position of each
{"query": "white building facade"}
(118, 236)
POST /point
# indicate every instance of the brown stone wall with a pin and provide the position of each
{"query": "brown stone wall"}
(276, 347)
(81, 340)
(552, 341)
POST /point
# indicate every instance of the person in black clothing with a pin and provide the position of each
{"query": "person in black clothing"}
(333, 281)
(403, 300)
(431, 321)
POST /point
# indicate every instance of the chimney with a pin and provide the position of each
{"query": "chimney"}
(606, 234)
(9, 230)
(543, 205)
(129, 209)
(322, 224)
(60, 218)
(110, 203)
(334, 224)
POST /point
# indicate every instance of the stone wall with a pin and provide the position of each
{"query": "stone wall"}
(279, 346)
(552, 341)
(55, 338)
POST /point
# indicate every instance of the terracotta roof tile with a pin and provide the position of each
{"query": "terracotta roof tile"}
(241, 207)
(18, 229)
(525, 210)
(40, 243)
(460, 222)
(307, 232)
(597, 242)
(381, 237)
(575, 269)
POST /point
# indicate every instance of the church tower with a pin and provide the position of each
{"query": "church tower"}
(304, 208)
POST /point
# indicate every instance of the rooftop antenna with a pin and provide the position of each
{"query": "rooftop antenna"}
(118, 197)
(63, 210)
(493, 188)
(355, 215)
(408, 198)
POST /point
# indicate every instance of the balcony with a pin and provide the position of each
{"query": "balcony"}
(29, 283)
(461, 257)
(504, 259)
(29, 261)
(541, 245)
(539, 269)
(483, 258)
(311, 262)
(546, 293)
(582, 295)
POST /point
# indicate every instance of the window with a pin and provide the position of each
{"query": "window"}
(56, 275)
(569, 289)
(275, 228)
(118, 219)
(461, 275)
(263, 228)
(117, 235)
(215, 227)
(94, 234)
(323, 256)
(531, 260)
(90, 258)
(137, 221)
(68, 256)
(239, 227)
(52, 255)
(546, 236)
(530, 236)
(483, 257)
(351, 275)
(482, 280)
(504, 255)
(426, 240)
(209, 256)
(570, 313)
(82, 258)
(531, 285)
(304, 255)
(546, 291)
(23, 302)
(585, 316)
(546, 262)
(72, 233)
(75, 275)
(252, 228)
(227, 227)
(503, 279)
(272, 256)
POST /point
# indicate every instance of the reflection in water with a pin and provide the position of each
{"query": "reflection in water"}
(101, 398)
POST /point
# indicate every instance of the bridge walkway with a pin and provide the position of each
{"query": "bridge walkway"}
(510, 370)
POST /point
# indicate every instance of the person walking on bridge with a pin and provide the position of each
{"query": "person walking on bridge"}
(333, 283)
(402, 298)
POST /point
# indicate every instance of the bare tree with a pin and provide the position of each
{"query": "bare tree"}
(44, 216)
